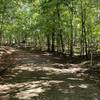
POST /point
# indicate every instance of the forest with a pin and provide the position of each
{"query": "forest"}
(50, 49)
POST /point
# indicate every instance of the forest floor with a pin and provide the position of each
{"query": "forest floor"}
(44, 76)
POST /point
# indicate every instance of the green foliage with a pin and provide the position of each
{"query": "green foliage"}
(34, 20)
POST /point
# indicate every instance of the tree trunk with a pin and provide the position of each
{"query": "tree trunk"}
(48, 42)
(53, 41)
(59, 27)
(62, 43)
(84, 50)
(71, 36)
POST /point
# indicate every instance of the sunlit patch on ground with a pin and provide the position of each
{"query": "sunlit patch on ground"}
(26, 90)
(83, 86)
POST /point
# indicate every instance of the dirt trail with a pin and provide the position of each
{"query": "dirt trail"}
(42, 76)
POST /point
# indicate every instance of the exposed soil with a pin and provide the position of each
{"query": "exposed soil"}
(44, 76)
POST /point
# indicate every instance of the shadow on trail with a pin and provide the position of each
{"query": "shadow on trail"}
(42, 76)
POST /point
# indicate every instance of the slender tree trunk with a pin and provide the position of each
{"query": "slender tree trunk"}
(71, 36)
(62, 43)
(59, 27)
(84, 50)
(53, 41)
(85, 35)
(82, 34)
(85, 42)
(48, 42)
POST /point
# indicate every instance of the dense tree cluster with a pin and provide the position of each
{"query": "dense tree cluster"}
(67, 26)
